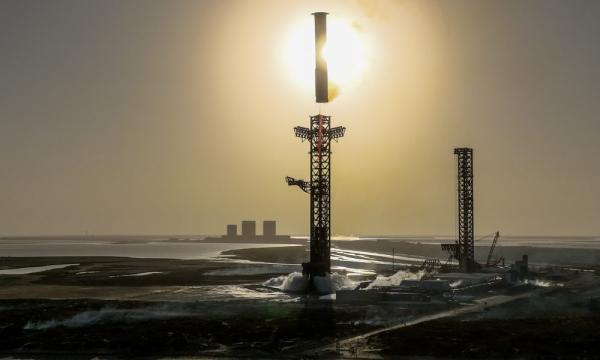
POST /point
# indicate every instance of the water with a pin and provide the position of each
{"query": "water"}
(33, 269)
(354, 263)
(140, 274)
(255, 270)
(575, 242)
(114, 247)
(368, 257)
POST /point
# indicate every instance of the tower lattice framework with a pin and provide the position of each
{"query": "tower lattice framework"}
(466, 240)
(319, 135)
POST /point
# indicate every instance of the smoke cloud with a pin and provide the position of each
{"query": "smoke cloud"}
(333, 90)
(396, 279)
(92, 317)
(542, 283)
(296, 283)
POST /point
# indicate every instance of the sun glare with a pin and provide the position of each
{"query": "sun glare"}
(344, 52)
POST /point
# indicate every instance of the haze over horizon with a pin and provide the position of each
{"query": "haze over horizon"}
(154, 117)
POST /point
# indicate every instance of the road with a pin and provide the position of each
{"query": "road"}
(476, 306)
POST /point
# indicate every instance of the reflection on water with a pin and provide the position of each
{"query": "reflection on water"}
(353, 262)
(374, 258)
(207, 293)
(138, 274)
(255, 270)
(581, 242)
(136, 249)
(33, 269)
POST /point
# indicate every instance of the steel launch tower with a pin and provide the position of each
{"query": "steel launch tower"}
(464, 248)
(319, 136)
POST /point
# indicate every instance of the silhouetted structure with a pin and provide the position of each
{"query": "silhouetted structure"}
(489, 262)
(321, 80)
(466, 239)
(248, 229)
(249, 234)
(319, 136)
(464, 248)
(231, 230)
(520, 269)
(269, 229)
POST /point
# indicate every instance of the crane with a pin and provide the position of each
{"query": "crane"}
(489, 263)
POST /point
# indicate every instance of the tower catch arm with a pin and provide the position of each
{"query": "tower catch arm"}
(337, 132)
(303, 133)
(304, 185)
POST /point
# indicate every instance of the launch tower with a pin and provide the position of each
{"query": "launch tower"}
(319, 136)
(464, 248)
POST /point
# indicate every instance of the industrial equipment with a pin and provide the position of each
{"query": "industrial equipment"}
(319, 136)
(464, 248)
(489, 262)
(431, 264)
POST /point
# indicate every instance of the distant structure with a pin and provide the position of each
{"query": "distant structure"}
(321, 77)
(464, 248)
(269, 229)
(248, 229)
(249, 233)
(319, 136)
(520, 269)
(231, 230)
(466, 231)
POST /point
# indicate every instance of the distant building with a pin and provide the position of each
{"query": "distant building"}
(248, 235)
(231, 230)
(248, 229)
(269, 229)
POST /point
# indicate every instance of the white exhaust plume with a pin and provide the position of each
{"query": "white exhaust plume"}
(88, 318)
(542, 283)
(395, 280)
(296, 282)
(456, 283)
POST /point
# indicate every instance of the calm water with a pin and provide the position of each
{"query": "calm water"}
(581, 242)
(137, 248)
(350, 261)
(33, 270)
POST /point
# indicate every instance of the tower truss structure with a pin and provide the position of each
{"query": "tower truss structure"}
(319, 136)
(464, 248)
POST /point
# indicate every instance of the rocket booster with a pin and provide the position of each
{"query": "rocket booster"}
(321, 82)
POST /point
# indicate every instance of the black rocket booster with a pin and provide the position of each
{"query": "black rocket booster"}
(321, 82)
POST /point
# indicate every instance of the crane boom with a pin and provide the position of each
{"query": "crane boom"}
(491, 253)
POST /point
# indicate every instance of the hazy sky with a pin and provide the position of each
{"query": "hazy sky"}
(155, 117)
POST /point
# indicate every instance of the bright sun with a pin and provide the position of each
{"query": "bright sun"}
(344, 52)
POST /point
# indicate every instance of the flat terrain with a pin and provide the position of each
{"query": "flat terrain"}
(116, 278)
(152, 308)
(153, 329)
(574, 257)
(530, 338)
